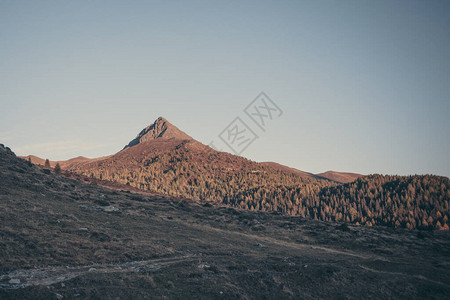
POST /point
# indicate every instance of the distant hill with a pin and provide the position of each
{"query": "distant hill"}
(164, 159)
(64, 163)
(339, 176)
(37, 160)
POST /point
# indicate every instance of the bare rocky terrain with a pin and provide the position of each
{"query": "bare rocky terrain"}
(66, 239)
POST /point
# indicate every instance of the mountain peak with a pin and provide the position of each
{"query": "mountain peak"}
(160, 129)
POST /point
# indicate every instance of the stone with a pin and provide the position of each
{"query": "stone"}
(14, 281)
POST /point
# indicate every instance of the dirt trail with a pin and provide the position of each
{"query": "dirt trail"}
(266, 240)
(51, 275)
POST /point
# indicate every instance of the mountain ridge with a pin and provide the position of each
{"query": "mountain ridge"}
(162, 130)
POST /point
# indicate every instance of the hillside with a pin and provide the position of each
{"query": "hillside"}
(61, 238)
(287, 169)
(395, 201)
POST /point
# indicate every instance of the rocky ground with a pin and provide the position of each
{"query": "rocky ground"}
(66, 239)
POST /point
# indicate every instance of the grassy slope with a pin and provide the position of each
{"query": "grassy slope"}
(214, 252)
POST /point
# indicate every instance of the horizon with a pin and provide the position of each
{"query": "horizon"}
(123, 148)
(363, 87)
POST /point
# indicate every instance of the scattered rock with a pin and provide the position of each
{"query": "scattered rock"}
(58, 296)
(203, 266)
(14, 281)
(109, 208)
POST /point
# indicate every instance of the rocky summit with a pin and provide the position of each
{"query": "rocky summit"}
(160, 129)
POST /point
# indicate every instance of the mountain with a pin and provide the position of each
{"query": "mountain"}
(160, 129)
(65, 239)
(165, 160)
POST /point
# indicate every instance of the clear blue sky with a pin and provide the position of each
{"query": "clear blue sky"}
(364, 85)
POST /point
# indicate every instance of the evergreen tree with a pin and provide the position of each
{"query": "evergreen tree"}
(57, 168)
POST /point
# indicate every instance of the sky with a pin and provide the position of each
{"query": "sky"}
(363, 86)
